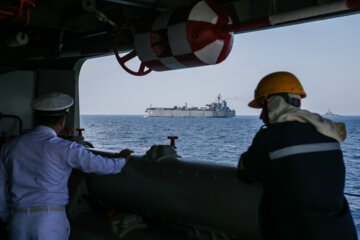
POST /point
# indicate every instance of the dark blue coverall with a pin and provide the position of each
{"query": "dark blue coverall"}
(303, 175)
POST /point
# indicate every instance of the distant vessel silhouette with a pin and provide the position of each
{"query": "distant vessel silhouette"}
(217, 109)
(330, 113)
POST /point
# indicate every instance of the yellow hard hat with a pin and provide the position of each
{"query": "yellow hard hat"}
(277, 82)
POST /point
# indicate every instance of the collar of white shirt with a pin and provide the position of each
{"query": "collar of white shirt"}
(45, 129)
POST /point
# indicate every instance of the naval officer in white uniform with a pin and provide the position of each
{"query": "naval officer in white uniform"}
(34, 171)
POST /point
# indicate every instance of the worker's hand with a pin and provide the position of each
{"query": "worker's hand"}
(126, 153)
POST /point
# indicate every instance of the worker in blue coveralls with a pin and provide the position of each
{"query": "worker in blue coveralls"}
(34, 171)
(298, 159)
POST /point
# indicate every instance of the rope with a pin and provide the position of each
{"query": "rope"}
(8, 12)
(352, 194)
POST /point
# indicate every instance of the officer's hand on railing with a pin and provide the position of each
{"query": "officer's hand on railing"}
(126, 153)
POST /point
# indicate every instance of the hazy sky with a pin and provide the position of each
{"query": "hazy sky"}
(325, 56)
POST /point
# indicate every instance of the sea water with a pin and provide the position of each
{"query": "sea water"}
(218, 140)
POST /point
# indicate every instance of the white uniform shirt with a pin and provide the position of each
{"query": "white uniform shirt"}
(35, 168)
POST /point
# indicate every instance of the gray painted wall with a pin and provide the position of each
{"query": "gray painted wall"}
(16, 93)
(19, 88)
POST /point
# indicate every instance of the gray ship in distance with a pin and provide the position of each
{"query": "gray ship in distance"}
(217, 109)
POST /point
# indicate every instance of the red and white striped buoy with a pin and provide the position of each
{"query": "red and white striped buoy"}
(184, 38)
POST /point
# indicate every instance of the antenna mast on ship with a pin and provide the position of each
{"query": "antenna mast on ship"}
(219, 98)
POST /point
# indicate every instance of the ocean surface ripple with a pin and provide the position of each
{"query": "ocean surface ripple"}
(218, 140)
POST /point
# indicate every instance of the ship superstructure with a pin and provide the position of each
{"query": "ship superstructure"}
(217, 109)
(331, 114)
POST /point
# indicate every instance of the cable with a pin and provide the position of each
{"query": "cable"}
(352, 194)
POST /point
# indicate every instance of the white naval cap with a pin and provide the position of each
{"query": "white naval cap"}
(53, 104)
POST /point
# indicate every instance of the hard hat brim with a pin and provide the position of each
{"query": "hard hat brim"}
(254, 104)
(274, 83)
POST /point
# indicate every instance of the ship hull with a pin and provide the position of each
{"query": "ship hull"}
(189, 113)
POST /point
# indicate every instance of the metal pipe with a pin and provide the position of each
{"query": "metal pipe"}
(159, 6)
(97, 44)
(294, 16)
(141, 4)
